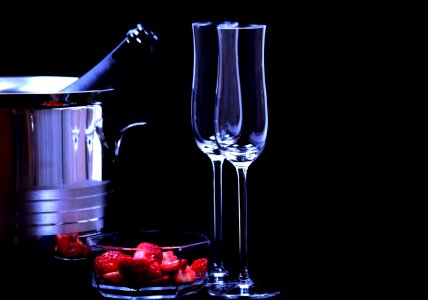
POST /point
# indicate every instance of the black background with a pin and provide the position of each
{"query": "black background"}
(305, 190)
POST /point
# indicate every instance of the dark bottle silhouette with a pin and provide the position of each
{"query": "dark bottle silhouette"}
(138, 46)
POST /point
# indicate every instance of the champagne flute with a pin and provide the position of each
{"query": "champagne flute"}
(241, 124)
(205, 60)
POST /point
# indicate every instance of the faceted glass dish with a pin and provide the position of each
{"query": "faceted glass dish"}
(155, 264)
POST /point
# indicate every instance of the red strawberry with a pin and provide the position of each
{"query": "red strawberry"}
(149, 251)
(62, 243)
(138, 271)
(153, 272)
(200, 266)
(188, 275)
(183, 264)
(168, 256)
(114, 277)
(69, 245)
(108, 261)
(170, 262)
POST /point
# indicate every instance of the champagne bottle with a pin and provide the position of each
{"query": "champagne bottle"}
(138, 45)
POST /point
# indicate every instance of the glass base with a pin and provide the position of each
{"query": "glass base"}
(235, 290)
(217, 277)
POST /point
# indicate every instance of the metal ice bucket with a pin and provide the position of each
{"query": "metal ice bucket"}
(52, 149)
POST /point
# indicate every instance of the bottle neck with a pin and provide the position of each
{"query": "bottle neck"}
(137, 46)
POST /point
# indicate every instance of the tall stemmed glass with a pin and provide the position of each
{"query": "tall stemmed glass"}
(205, 60)
(241, 125)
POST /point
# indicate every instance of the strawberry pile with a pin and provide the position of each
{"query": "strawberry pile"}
(148, 265)
(70, 246)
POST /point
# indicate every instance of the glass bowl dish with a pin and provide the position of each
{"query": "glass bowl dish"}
(152, 264)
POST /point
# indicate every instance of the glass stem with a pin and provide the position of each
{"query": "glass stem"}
(244, 277)
(218, 267)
